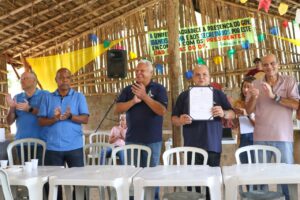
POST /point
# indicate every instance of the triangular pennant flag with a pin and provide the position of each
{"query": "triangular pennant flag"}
(265, 4)
(217, 60)
(132, 55)
(283, 8)
(297, 18)
(45, 67)
(200, 61)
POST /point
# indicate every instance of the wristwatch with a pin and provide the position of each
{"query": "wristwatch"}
(70, 117)
(30, 109)
(277, 98)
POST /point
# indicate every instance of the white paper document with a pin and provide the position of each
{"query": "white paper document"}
(201, 103)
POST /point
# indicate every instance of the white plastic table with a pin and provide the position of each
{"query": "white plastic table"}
(266, 173)
(34, 180)
(119, 177)
(192, 175)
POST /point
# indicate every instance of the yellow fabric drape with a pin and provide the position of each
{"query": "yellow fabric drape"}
(46, 67)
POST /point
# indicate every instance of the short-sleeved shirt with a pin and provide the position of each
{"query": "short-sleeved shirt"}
(26, 122)
(120, 132)
(273, 122)
(206, 134)
(144, 125)
(64, 135)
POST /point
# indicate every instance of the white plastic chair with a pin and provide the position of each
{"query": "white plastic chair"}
(96, 153)
(99, 137)
(181, 155)
(259, 154)
(27, 143)
(132, 156)
(168, 156)
(5, 185)
(134, 152)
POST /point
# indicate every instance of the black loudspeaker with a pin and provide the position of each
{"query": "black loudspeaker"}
(116, 63)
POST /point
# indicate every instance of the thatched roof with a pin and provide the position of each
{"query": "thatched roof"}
(32, 26)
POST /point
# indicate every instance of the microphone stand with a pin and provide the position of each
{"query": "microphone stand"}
(108, 110)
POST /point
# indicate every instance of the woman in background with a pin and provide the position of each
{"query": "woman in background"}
(246, 121)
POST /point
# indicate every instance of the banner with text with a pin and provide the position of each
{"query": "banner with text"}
(229, 33)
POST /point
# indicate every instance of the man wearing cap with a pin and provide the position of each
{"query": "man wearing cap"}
(257, 70)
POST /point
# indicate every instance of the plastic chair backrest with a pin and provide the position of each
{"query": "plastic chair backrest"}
(99, 137)
(26, 143)
(254, 151)
(132, 151)
(5, 185)
(96, 153)
(182, 152)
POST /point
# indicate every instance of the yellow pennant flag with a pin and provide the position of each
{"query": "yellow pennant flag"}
(217, 60)
(46, 67)
(283, 8)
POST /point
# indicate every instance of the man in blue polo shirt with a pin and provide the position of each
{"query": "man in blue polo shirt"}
(63, 112)
(24, 108)
(145, 103)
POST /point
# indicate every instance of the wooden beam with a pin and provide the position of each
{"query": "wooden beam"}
(32, 16)
(174, 61)
(42, 24)
(13, 12)
(88, 31)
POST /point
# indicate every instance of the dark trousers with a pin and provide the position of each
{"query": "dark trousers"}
(73, 158)
(39, 153)
(212, 161)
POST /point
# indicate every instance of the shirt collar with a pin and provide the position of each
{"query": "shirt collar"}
(36, 92)
(71, 92)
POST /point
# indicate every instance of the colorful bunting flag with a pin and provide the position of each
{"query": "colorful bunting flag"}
(159, 68)
(189, 74)
(283, 8)
(297, 18)
(217, 60)
(200, 61)
(246, 44)
(285, 23)
(265, 4)
(274, 30)
(132, 55)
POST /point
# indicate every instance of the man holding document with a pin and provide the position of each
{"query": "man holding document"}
(199, 110)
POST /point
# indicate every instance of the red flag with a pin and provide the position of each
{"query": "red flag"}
(265, 4)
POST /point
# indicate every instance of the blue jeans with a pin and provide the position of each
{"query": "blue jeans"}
(154, 160)
(155, 151)
(287, 156)
(39, 153)
(120, 154)
(246, 140)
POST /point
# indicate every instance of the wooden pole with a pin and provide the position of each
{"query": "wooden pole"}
(174, 60)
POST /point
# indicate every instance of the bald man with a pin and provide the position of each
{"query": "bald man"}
(273, 100)
(24, 108)
(206, 134)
